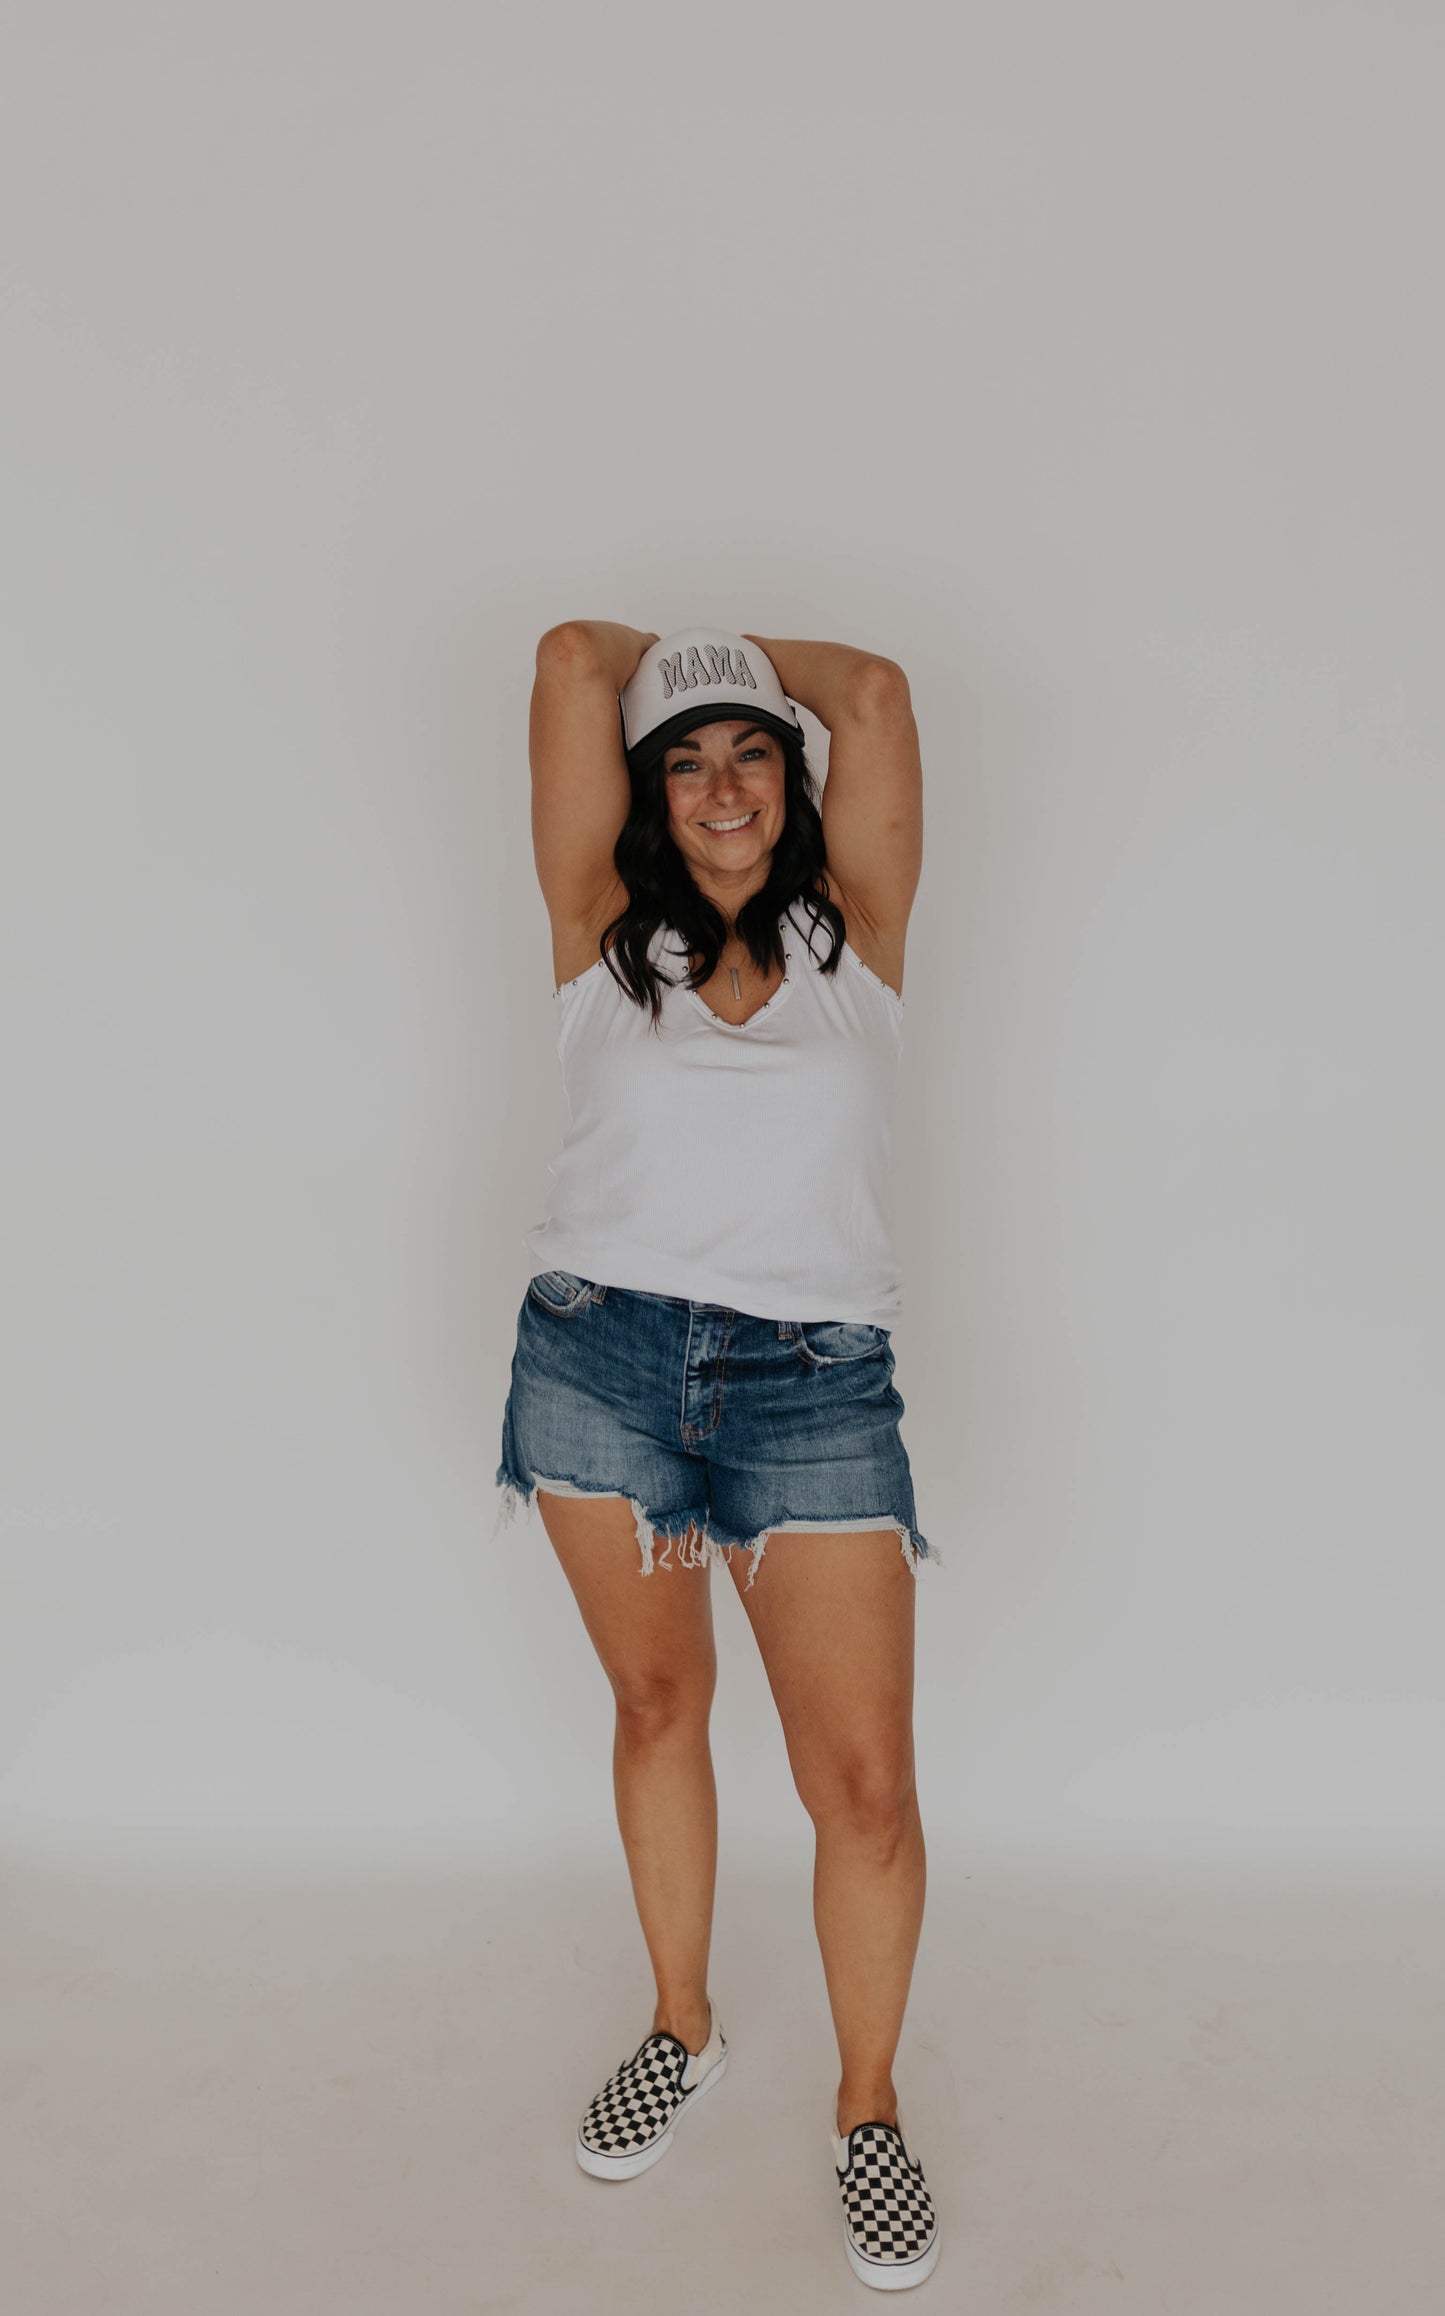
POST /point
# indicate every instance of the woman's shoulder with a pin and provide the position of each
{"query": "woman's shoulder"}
(879, 948)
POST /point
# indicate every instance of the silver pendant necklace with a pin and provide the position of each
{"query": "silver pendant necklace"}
(737, 985)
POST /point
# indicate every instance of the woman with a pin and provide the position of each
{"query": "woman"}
(703, 1352)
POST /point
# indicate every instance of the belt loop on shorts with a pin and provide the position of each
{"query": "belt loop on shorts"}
(785, 1328)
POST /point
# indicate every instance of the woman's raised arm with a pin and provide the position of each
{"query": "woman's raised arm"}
(580, 785)
(873, 795)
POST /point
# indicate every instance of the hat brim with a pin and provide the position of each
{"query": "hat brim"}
(677, 727)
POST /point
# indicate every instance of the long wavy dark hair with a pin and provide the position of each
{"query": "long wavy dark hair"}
(662, 892)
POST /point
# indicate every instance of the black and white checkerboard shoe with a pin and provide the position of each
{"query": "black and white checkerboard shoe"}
(890, 2228)
(631, 2121)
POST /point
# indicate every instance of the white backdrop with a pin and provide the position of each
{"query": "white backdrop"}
(1088, 362)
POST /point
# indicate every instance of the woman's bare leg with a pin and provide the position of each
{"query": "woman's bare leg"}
(833, 1616)
(654, 1638)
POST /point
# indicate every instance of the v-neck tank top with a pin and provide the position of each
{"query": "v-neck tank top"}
(737, 1163)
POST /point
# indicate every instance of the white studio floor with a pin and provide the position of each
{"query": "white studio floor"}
(1185, 2099)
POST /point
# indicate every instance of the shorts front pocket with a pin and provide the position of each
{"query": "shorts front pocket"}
(836, 1342)
(560, 1292)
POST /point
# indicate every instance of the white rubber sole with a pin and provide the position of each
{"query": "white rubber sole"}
(892, 2276)
(628, 2166)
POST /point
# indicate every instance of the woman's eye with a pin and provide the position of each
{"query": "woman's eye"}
(690, 763)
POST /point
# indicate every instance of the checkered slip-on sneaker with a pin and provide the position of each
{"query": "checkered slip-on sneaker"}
(890, 2228)
(631, 2121)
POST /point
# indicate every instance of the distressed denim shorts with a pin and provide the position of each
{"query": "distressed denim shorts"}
(719, 1427)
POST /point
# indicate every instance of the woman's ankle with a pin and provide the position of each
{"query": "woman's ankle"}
(852, 2108)
(690, 2024)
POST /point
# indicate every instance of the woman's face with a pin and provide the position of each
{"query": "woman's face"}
(726, 773)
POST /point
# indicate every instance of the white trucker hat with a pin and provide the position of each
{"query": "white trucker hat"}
(699, 676)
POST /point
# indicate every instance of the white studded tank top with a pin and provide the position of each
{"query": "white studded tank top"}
(736, 1163)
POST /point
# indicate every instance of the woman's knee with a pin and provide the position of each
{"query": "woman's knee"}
(866, 1792)
(660, 1703)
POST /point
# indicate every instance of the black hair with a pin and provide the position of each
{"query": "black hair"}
(662, 892)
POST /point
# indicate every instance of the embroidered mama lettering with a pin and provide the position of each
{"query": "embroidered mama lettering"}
(722, 665)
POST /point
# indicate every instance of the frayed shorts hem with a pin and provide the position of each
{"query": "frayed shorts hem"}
(697, 1542)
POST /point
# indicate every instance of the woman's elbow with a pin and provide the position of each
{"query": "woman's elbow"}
(567, 647)
(879, 687)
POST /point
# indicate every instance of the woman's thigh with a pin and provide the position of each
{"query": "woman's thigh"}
(653, 1634)
(833, 1617)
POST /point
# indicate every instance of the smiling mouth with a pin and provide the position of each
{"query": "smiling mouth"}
(730, 827)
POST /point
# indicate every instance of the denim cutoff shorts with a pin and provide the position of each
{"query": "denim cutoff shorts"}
(718, 1426)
